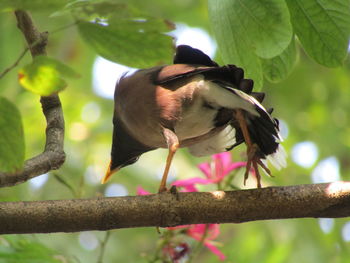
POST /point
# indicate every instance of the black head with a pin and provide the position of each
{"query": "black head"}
(126, 149)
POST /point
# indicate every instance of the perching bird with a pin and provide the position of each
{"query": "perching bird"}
(193, 103)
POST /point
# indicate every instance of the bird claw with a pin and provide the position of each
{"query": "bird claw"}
(172, 190)
(162, 189)
(255, 161)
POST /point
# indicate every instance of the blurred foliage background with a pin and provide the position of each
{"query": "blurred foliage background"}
(312, 102)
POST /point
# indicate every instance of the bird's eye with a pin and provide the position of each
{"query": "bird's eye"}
(131, 161)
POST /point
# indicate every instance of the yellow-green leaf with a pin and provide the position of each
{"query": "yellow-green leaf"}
(45, 76)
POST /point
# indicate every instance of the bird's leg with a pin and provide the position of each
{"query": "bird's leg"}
(252, 150)
(173, 144)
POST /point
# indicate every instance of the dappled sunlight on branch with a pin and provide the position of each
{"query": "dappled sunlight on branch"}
(218, 194)
(338, 189)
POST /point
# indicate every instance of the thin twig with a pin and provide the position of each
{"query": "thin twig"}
(15, 63)
(103, 247)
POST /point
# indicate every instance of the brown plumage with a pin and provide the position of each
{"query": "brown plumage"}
(193, 103)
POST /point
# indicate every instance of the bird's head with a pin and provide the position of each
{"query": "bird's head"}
(126, 149)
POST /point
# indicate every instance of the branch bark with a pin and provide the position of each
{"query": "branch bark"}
(170, 209)
(53, 156)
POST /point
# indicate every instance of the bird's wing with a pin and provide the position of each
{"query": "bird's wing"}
(263, 129)
(220, 142)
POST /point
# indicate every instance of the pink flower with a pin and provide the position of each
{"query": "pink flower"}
(209, 232)
(141, 191)
(220, 166)
(215, 171)
(187, 185)
(205, 233)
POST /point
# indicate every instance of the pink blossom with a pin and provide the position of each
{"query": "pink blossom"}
(209, 232)
(187, 185)
(220, 166)
(205, 233)
(215, 171)
(141, 191)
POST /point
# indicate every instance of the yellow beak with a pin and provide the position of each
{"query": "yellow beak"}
(109, 173)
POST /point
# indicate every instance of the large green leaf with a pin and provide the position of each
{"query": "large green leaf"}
(323, 28)
(248, 29)
(135, 43)
(123, 34)
(264, 25)
(44, 76)
(32, 5)
(11, 137)
(279, 67)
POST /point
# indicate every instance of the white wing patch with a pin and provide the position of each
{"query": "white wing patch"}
(215, 144)
(278, 158)
(216, 94)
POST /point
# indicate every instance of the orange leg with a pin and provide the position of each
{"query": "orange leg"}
(252, 149)
(173, 145)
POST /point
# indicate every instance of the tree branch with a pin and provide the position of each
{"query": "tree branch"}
(53, 156)
(169, 209)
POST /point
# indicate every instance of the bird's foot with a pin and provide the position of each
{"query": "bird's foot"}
(254, 162)
(162, 189)
(172, 190)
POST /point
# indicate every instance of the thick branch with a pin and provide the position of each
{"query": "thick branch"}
(169, 209)
(53, 156)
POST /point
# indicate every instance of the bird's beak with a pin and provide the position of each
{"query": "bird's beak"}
(109, 173)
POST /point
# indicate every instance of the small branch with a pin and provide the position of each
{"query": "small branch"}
(7, 70)
(103, 245)
(15, 64)
(330, 200)
(53, 156)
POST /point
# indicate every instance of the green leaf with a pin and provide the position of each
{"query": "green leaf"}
(136, 43)
(323, 28)
(123, 34)
(15, 249)
(279, 67)
(44, 76)
(11, 137)
(248, 29)
(32, 5)
(264, 25)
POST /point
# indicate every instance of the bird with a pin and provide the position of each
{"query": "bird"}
(193, 103)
